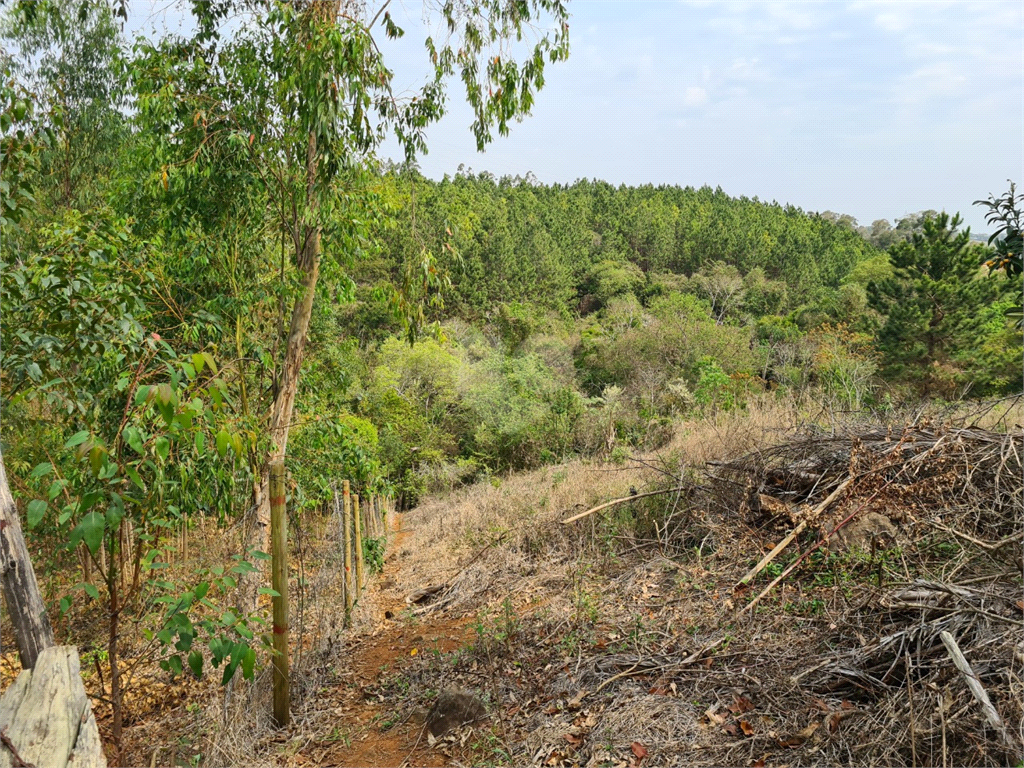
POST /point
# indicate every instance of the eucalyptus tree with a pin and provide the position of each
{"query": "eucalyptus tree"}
(302, 97)
(69, 54)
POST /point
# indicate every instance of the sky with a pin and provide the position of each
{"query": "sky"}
(872, 108)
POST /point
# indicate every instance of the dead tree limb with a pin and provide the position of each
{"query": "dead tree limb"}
(796, 531)
(623, 500)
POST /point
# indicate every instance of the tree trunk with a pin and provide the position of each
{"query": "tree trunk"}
(32, 630)
(256, 534)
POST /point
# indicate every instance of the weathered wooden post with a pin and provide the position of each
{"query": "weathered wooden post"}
(359, 545)
(279, 566)
(31, 624)
(346, 543)
(45, 714)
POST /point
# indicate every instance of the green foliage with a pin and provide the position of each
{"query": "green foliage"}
(83, 310)
(373, 553)
(1004, 212)
(328, 448)
(713, 389)
(932, 306)
(24, 136)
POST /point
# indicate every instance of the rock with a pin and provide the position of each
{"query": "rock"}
(452, 709)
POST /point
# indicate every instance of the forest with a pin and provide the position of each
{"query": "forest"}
(207, 269)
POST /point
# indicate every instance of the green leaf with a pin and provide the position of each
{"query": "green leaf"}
(175, 664)
(65, 605)
(134, 438)
(163, 447)
(201, 444)
(223, 440)
(34, 512)
(198, 362)
(134, 477)
(195, 663)
(269, 591)
(97, 457)
(40, 470)
(142, 394)
(91, 591)
(55, 488)
(166, 411)
(201, 589)
(248, 662)
(164, 394)
(77, 439)
(89, 530)
(114, 516)
(109, 470)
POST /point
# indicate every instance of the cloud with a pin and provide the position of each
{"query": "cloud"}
(695, 96)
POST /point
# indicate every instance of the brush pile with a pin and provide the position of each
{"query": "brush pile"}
(936, 656)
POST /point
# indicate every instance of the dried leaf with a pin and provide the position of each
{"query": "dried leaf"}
(573, 739)
(820, 704)
(639, 750)
(732, 729)
(759, 763)
(747, 728)
(847, 704)
(807, 732)
(740, 705)
(712, 715)
(795, 741)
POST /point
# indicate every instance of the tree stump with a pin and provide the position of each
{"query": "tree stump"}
(46, 718)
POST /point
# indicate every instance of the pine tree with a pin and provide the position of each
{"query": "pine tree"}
(931, 303)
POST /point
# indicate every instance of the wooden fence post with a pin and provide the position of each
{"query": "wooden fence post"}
(346, 543)
(359, 544)
(279, 565)
(25, 606)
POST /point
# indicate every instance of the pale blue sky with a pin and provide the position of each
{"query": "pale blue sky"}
(868, 107)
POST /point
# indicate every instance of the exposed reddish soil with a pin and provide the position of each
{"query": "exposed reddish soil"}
(372, 739)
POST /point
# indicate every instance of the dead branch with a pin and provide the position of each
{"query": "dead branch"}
(623, 500)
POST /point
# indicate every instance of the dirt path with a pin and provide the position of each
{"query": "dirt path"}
(366, 735)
